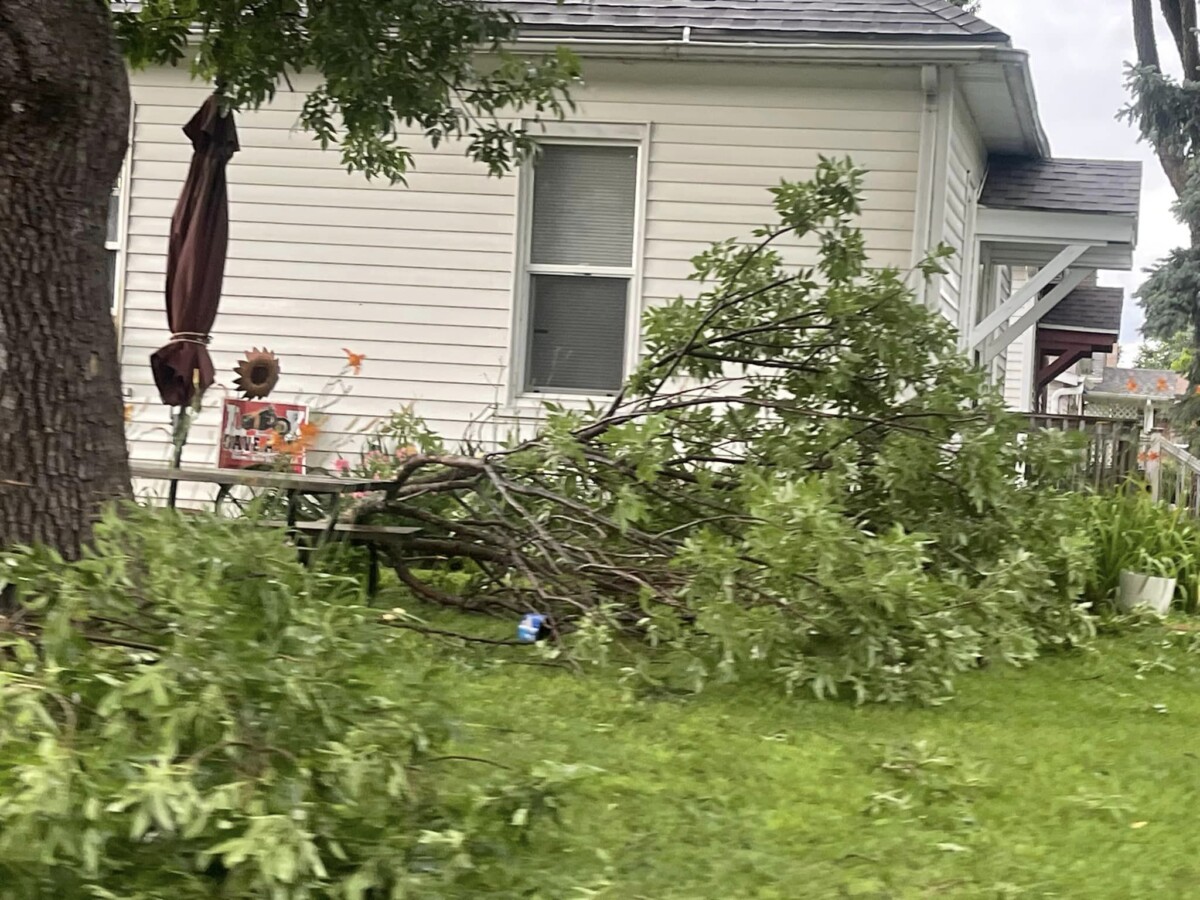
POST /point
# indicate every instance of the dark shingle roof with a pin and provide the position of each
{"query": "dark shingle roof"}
(755, 20)
(780, 21)
(743, 20)
(1063, 185)
(1088, 308)
(1140, 383)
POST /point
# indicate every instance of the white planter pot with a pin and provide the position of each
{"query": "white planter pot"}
(1140, 589)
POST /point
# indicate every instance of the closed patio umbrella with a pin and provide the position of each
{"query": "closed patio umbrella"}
(196, 258)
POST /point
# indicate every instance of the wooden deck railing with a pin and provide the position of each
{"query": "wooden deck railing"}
(1111, 453)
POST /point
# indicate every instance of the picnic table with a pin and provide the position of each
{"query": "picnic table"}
(295, 487)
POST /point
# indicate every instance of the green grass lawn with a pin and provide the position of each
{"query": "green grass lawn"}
(1076, 777)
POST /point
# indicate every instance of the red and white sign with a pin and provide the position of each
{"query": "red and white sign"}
(253, 430)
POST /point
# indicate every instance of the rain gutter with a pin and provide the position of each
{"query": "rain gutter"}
(1014, 63)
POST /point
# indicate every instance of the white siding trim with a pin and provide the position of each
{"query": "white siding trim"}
(936, 156)
(637, 306)
(555, 132)
(971, 274)
(123, 238)
(925, 167)
(941, 175)
(966, 162)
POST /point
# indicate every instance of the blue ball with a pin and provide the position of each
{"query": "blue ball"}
(527, 631)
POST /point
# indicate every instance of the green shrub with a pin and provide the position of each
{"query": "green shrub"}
(804, 476)
(1131, 531)
(877, 617)
(188, 712)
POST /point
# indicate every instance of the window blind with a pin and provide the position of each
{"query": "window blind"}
(584, 200)
(577, 340)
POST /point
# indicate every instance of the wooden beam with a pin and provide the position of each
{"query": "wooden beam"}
(1048, 373)
(1071, 280)
(1056, 340)
(1032, 288)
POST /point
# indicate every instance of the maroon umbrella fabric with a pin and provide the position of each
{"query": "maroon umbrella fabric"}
(196, 258)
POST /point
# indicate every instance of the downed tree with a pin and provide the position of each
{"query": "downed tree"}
(803, 478)
(804, 472)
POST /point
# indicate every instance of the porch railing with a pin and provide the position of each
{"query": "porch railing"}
(1112, 452)
(1174, 475)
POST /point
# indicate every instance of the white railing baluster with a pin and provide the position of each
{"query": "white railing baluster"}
(1187, 474)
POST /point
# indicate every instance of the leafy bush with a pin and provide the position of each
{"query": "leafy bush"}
(188, 712)
(1131, 532)
(804, 476)
(876, 616)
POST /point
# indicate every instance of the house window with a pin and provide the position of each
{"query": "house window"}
(114, 240)
(579, 267)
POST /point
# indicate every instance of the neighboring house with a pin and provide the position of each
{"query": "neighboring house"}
(1145, 395)
(476, 299)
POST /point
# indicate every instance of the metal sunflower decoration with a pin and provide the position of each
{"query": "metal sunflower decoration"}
(257, 374)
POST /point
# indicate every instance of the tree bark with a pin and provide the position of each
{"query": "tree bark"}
(64, 114)
(1173, 16)
(1175, 167)
(1143, 34)
(1190, 52)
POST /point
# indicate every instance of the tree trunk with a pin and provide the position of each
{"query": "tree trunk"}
(1143, 34)
(1189, 50)
(64, 118)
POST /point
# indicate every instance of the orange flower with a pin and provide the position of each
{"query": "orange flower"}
(354, 360)
(128, 412)
(307, 436)
(1152, 456)
(1142, 456)
(1161, 384)
(1198, 389)
(1131, 386)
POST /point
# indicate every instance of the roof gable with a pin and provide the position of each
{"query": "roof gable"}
(777, 21)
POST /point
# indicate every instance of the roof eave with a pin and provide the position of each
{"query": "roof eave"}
(849, 52)
(1019, 76)
(885, 52)
(707, 35)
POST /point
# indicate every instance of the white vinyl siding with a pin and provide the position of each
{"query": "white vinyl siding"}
(967, 160)
(1020, 360)
(421, 278)
(1020, 355)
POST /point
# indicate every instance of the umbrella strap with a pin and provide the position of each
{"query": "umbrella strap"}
(191, 337)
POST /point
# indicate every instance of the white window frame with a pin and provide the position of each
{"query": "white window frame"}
(522, 401)
(120, 246)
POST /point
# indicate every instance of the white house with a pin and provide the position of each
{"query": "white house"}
(476, 299)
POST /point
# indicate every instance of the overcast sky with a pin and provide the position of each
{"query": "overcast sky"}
(1078, 50)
